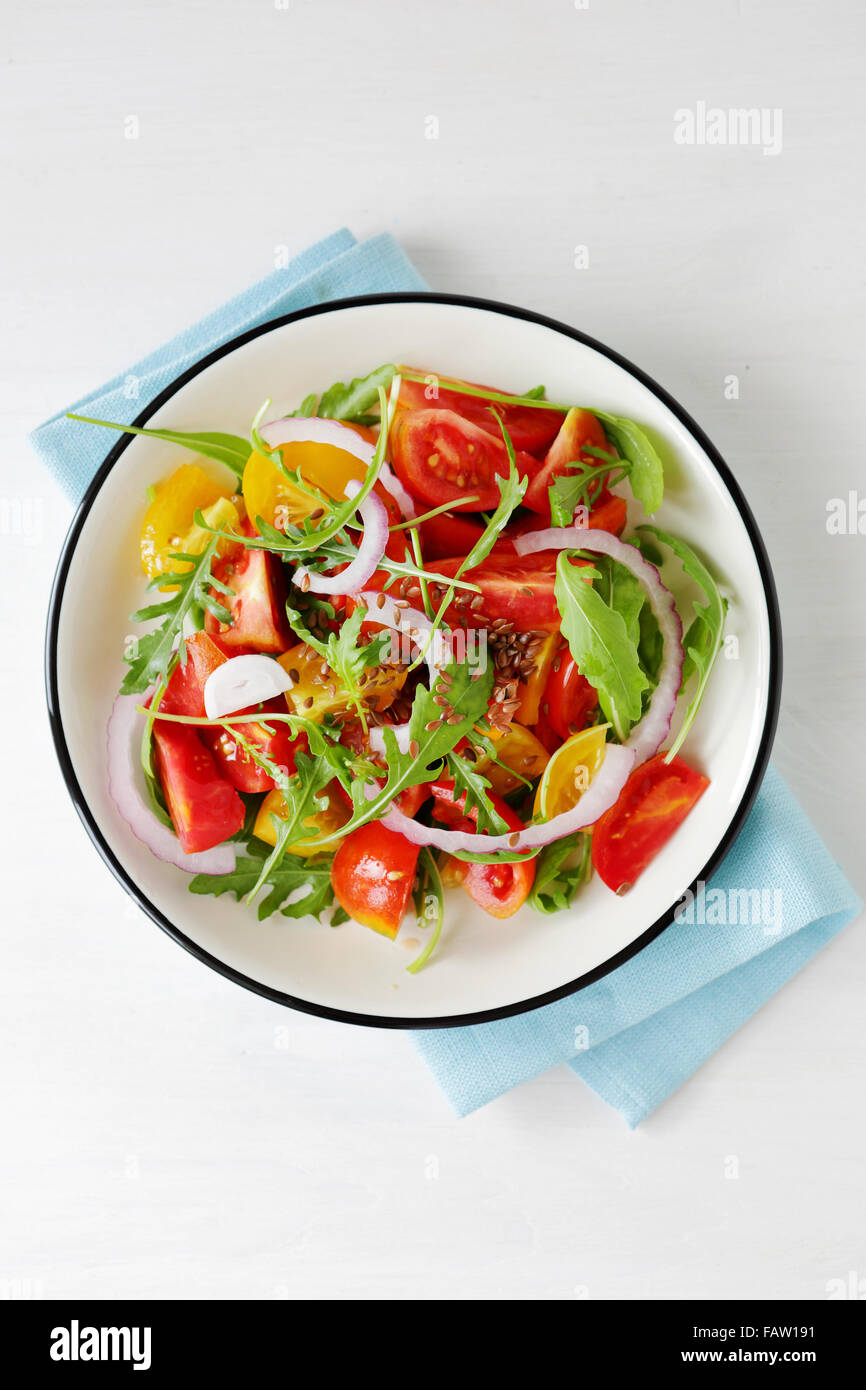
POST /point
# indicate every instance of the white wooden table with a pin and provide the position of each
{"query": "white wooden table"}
(166, 1134)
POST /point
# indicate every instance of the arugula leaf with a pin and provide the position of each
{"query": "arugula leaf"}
(535, 393)
(572, 490)
(601, 646)
(347, 659)
(622, 591)
(353, 402)
(468, 779)
(229, 449)
(646, 473)
(283, 879)
(307, 406)
(302, 795)
(429, 903)
(555, 883)
(703, 639)
(432, 737)
(154, 651)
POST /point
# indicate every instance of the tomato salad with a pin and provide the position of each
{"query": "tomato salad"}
(398, 644)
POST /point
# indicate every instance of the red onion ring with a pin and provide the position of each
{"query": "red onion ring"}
(369, 555)
(649, 733)
(601, 794)
(242, 682)
(124, 732)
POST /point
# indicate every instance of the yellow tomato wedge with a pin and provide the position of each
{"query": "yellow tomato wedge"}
(523, 754)
(529, 692)
(315, 692)
(275, 499)
(570, 771)
(324, 822)
(169, 525)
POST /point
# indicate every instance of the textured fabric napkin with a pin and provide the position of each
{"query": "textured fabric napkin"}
(636, 1034)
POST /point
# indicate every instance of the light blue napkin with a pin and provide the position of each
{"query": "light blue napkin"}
(334, 268)
(635, 1035)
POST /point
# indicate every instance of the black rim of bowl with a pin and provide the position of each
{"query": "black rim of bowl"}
(323, 1010)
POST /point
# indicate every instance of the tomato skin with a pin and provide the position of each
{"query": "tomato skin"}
(233, 760)
(516, 588)
(257, 606)
(568, 698)
(579, 429)
(654, 801)
(441, 457)
(499, 888)
(529, 428)
(608, 513)
(205, 809)
(360, 876)
(185, 695)
(446, 535)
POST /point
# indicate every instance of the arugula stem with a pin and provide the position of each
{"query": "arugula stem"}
(427, 516)
(422, 578)
(432, 887)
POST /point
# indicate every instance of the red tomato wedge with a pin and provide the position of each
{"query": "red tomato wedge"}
(515, 588)
(530, 428)
(257, 605)
(568, 698)
(185, 695)
(441, 457)
(448, 534)
(372, 876)
(499, 888)
(655, 800)
(579, 429)
(205, 809)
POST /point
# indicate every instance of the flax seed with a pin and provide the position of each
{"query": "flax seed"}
(414, 750)
(434, 724)
(380, 601)
(308, 703)
(455, 719)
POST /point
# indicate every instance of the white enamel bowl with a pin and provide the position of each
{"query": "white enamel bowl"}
(483, 968)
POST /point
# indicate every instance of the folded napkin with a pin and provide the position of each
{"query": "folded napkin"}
(636, 1034)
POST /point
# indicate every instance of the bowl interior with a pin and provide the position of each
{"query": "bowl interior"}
(482, 965)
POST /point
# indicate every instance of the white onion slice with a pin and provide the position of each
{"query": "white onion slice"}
(649, 733)
(243, 681)
(601, 794)
(125, 777)
(400, 732)
(368, 558)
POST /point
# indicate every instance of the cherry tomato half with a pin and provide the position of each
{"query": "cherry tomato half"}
(372, 876)
(499, 888)
(568, 698)
(654, 801)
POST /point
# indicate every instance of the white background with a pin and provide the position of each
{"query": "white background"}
(165, 1133)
